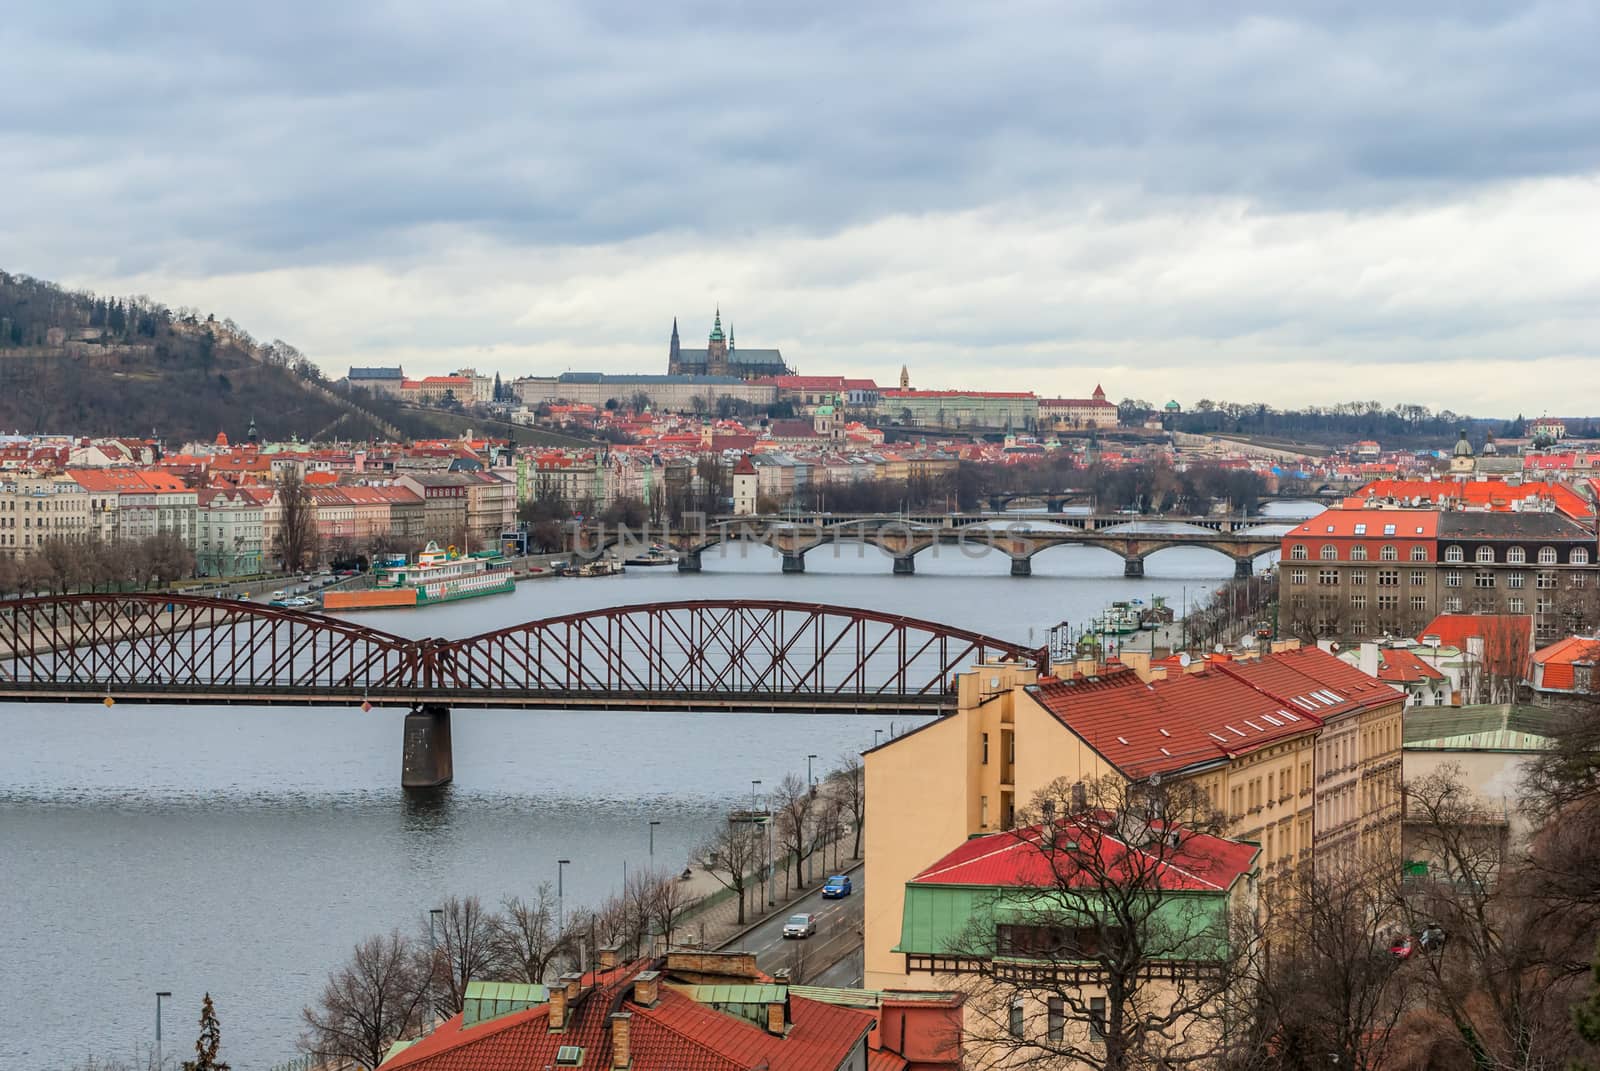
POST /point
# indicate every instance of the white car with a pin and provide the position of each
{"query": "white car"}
(802, 925)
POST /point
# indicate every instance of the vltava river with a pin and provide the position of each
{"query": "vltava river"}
(242, 851)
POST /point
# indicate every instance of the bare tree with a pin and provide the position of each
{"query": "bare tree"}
(794, 815)
(669, 902)
(462, 948)
(848, 785)
(1104, 961)
(526, 944)
(1332, 993)
(732, 856)
(297, 524)
(371, 1002)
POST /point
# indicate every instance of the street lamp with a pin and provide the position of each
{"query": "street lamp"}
(159, 995)
(753, 786)
(877, 734)
(810, 781)
(811, 856)
(653, 841)
(561, 911)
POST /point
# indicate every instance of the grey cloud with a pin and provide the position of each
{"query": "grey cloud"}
(219, 138)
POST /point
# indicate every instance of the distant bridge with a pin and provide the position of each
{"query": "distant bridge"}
(1057, 501)
(719, 654)
(905, 536)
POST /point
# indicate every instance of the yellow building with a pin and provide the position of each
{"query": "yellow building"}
(1245, 731)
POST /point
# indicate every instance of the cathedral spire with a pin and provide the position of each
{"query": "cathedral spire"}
(716, 328)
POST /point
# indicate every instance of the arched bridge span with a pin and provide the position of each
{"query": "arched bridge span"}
(739, 654)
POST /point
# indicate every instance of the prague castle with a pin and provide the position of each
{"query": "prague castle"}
(722, 358)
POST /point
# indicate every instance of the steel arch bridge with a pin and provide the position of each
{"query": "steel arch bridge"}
(733, 654)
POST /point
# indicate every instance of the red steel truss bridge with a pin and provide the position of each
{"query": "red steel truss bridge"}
(716, 654)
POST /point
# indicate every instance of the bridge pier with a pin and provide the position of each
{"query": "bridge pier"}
(906, 566)
(689, 561)
(1055, 505)
(794, 563)
(1021, 566)
(1133, 567)
(1244, 568)
(426, 759)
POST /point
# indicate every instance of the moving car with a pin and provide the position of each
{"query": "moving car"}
(802, 925)
(838, 886)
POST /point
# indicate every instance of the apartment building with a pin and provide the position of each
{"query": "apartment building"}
(1298, 751)
(1365, 573)
(36, 509)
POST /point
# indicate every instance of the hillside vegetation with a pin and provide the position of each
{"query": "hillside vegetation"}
(81, 363)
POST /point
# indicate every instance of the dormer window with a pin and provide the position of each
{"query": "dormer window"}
(1485, 556)
(1547, 555)
(1454, 554)
(1330, 553)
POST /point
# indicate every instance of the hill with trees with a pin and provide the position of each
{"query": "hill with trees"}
(76, 362)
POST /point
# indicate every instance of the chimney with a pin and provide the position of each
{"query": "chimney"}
(608, 957)
(1368, 662)
(621, 1031)
(1139, 662)
(558, 1009)
(646, 988)
(777, 1016)
(1080, 797)
(573, 983)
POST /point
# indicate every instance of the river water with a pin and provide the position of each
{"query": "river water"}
(243, 851)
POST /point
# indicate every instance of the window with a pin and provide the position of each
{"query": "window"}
(1516, 580)
(1388, 529)
(983, 811)
(1388, 602)
(1419, 553)
(1483, 579)
(1358, 577)
(1358, 553)
(1485, 556)
(1419, 602)
(1452, 578)
(1514, 605)
(1328, 576)
(1547, 580)
(1543, 604)
(1358, 627)
(1579, 579)
(1418, 578)
(1452, 604)
(1097, 1018)
(1388, 578)
(1579, 556)
(1388, 553)
(986, 749)
(1454, 554)
(1298, 552)
(1016, 1020)
(1358, 602)
(1516, 556)
(1297, 576)
(1330, 553)
(1055, 1019)
(1547, 555)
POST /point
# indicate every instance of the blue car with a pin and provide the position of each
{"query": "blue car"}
(837, 886)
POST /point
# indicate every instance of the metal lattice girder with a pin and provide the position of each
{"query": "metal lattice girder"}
(727, 653)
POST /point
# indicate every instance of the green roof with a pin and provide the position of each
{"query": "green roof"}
(748, 1002)
(490, 1000)
(1488, 727)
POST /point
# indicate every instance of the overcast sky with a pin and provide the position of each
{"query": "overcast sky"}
(1174, 200)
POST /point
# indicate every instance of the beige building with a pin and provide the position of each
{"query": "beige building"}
(673, 393)
(35, 509)
(1245, 732)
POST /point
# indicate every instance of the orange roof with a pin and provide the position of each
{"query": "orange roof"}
(1373, 524)
(1484, 494)
(1453, 630)
(320, 479)
(1397, 665)
(1573, 649)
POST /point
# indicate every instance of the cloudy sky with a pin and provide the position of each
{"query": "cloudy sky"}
(1293, 205)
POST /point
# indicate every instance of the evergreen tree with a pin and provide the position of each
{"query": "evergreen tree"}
(499, 391)
(209, 1042)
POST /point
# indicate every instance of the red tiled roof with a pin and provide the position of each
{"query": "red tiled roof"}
(1017, 859)
(1397, 665)
(674, 1034)
(1485, 494)
(1226, 709)
(1406, 524)
(1454, 630)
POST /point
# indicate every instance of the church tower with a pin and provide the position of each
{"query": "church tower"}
(905, 378)
(717, 349)
(674, 359)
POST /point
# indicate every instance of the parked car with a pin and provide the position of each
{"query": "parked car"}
(837, 886)
(802, 925)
